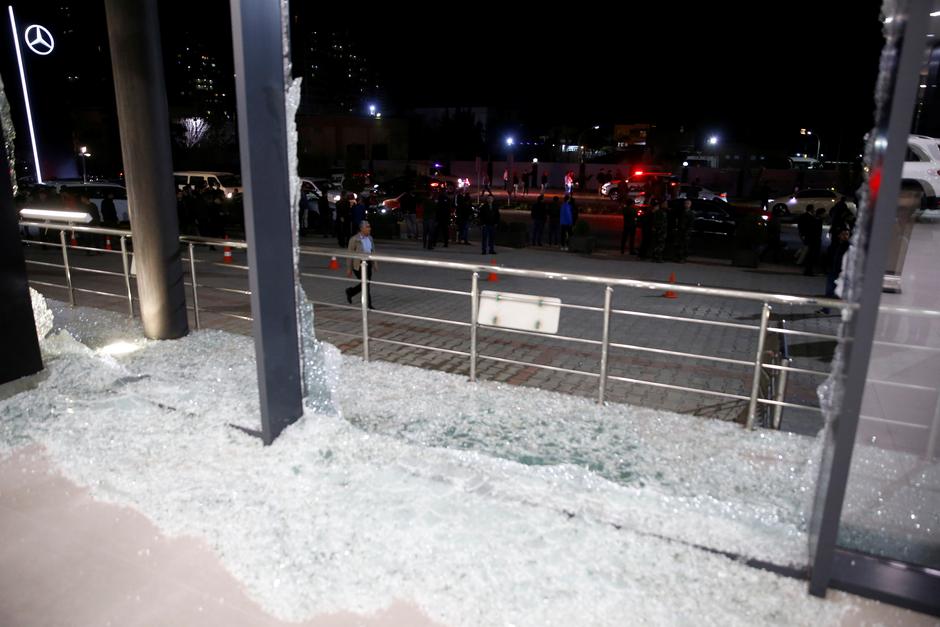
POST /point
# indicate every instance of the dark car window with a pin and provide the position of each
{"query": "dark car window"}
(911, 155)
(230, 180)
(180, 180)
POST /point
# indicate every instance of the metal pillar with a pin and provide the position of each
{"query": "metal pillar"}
(262, 136)
(20, 355)
(758, 367)
(901, 67)
(605, 346)
(137, 63)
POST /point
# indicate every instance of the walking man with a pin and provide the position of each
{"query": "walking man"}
(429, 224)
(361, 242)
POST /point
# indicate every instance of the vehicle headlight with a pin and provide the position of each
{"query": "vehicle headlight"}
(228, 195)
(383, 210)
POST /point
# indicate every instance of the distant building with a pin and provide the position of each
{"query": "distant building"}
(326, 141)
(627, 135)
(197, 83)
(338, 75)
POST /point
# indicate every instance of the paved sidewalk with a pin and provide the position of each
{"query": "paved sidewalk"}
(342, 325)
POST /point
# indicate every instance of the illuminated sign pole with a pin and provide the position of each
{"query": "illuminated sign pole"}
(40, 41)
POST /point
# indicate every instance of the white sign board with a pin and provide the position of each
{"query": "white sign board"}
(519, 311)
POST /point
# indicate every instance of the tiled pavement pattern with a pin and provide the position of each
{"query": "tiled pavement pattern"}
(327, 286)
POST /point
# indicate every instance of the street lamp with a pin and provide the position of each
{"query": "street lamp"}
(804, 131)
(713, 140)
(510, 140)
(83, 152)
(371, 109)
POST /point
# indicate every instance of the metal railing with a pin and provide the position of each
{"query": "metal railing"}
(761, 364)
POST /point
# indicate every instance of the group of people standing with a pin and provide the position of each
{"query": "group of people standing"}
(664, 226)
(560, 218)
(200, 211)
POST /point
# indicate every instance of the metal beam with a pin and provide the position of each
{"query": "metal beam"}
(900, 69)
(18, 338)
(140, 90)
(258, 39)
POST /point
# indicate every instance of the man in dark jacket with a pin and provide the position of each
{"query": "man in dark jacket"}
(442, 210)
(539, 212)
(343, 220)
(629, 226)
(489, 218)
(810, 227)
(108, 211)
(464, 212)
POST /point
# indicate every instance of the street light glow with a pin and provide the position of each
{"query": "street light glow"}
(372, 109)
(597, 128)
(29, 113)
(713, 140)
(510, 141)
(54, 214)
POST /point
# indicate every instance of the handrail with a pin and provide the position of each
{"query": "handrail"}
(760, 368)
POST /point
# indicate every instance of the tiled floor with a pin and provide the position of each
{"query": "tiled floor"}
(69, 560)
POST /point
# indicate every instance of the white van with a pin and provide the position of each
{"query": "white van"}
(96, 192)
(230, 184)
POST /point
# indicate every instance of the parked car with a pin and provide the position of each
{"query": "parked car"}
(922, 168)
(636, 185)
(697, 191)
(96, 193)
(230, 184)
(796, 204)
(711, 216)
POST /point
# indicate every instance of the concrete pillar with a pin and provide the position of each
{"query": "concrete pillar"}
(140, 90)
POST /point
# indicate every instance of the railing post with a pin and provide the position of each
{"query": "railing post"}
(755, 384)
(781, 392)
(192, 275)
(364, 301)
(127, 277)
(68, 271)
(605, 345)
(474, 312)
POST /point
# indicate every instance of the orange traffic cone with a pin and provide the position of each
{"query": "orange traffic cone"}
(73, 241)
(492, 277)
(670, 293)
(107, 243)
(227, 253)
(334, 265)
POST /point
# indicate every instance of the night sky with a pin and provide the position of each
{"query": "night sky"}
(751, 72)
(746, 70)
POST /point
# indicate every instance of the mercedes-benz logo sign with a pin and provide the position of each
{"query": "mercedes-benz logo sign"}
(39, 39)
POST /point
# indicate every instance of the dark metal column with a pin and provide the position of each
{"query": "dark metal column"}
(20, 355)
(137, 63)
(262, 138)
(898, 81)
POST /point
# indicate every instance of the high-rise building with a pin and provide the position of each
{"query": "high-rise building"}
(197, 82)
(338, 75)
